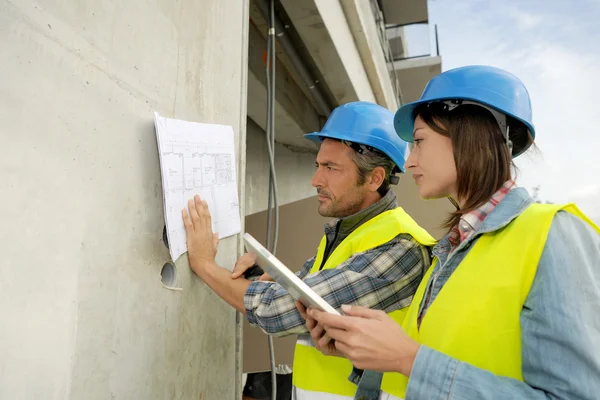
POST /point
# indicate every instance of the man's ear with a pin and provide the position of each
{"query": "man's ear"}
(376, 178)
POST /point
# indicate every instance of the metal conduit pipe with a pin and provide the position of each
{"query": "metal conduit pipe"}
(290, 50)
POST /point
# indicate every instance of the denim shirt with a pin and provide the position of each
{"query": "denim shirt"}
(560, 320)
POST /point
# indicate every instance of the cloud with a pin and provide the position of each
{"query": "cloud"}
(525, 20)
(586, 192)
(587, 198)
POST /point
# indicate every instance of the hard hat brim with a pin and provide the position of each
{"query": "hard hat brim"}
(404, 121)
(378, 143)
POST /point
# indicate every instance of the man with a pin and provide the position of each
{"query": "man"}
(373, 254)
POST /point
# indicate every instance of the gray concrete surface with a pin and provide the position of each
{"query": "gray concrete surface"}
(294, 172)
(402, 12)
(414, 74)
(366, 36)
(294, 114)
(83, 313)
(324, 29)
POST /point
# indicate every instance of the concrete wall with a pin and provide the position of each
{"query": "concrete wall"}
(294, 171)
(83, 314)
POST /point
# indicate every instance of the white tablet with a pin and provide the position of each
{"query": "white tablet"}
(286, 278)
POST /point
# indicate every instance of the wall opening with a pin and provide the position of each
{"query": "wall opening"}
(168, 276)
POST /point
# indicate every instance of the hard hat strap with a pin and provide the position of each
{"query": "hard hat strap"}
(500, 118)
(360, 148)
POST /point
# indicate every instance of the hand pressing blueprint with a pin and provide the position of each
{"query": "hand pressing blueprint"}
(197, 158)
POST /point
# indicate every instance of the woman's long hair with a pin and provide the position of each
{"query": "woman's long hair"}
(481, 155)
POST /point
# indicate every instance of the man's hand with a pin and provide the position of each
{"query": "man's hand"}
(243, 263)
(369, 338)
(201, 241)
(319, 337)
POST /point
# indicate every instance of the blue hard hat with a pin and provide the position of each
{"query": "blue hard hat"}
(367, 124)
(489, 86)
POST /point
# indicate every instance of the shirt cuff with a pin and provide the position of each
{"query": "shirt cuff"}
(432, 375)
(250, 298)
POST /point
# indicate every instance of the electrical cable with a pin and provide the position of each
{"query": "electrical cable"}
(273, 204)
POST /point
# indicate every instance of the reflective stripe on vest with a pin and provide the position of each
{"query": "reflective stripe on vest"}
(475, 318)
(317, 378)
(301, 394)
(319, 374)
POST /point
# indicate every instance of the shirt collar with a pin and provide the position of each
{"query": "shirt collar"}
(471, 221)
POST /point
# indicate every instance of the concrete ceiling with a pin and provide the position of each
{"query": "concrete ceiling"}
(403, 12)
(414, 74)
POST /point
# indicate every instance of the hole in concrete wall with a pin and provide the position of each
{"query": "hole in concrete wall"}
(168, 274)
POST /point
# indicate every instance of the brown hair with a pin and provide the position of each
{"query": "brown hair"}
(367, 161)
(481, 155)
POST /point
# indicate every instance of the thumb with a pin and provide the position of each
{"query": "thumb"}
(215, 239)
(363, 312)
(265, 277)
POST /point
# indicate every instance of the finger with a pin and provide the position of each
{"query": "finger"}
(187, 222)
(247, 259)
(199, 208)
(265, 277)
(206, 212)
(331, 320)
(193, 211)
(241, 265)
(310, 322)
(324, 340)
(337, 334)
(237, 272)
(317, 333)
(301, 309)
(332, 350)
(363, 312)
(344, 349)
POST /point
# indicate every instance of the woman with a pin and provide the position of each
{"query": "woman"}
(510, 308)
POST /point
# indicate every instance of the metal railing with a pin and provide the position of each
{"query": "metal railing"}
(385, 46)
(402, 35)
(387, 38)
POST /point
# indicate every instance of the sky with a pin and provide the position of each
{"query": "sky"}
(553, 46)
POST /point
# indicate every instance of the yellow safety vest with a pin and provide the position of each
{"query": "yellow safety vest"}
(475, 318)
(317, 376)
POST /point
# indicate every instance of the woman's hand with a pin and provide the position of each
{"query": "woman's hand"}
(370, 339)
(320, 339)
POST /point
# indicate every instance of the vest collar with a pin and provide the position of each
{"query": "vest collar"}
(515, 202)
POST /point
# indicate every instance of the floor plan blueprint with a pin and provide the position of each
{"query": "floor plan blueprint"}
(197, 158)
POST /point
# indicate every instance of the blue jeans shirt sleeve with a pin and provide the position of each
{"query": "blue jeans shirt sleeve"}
(560, 331)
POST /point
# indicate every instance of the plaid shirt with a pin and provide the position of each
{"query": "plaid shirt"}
(471, 221)
(467, 226)
(384, 278)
